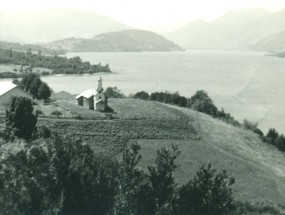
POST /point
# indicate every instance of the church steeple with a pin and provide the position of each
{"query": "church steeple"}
(99, 86)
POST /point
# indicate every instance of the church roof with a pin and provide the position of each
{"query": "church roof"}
(6, 87)
(87, 94)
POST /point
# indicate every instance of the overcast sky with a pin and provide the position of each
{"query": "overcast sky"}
(149, 14)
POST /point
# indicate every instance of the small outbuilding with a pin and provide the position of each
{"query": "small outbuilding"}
(94, 99)
(8, 90)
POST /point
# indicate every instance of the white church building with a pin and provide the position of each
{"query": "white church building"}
(94, 99)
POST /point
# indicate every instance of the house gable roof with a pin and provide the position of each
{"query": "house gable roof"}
(86, 94)
(6, 87)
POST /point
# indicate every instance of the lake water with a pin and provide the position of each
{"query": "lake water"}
(247, 84)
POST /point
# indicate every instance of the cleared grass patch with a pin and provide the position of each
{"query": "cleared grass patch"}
(112, 135)
(252, 183)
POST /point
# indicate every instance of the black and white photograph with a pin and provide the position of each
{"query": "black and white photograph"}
(142, 107)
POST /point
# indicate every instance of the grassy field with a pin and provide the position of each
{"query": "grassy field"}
(121, 109)
(112, 135)
(259, 168)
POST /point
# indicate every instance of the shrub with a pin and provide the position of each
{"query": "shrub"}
(114, 92)
(43, 131)
(280, 143)
(252, 127)
(39, 112)
(203, 103)
(141, 95)
(256, 208)
(56, 113)
(208, 193)
(271, 136)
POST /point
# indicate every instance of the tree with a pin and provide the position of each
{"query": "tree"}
(20, 120)
(272, 135)
(208, 193)
(162, 181)
(44, 92)
(27, 81)
(203, 103)
(114, 92)
(130, 181)
(35, 85)
(280, 143)
(141, 95)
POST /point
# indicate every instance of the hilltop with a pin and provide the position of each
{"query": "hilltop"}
(119, 41)
(257, 166)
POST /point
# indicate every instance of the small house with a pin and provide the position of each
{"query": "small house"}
(8, 90)
(94, 99)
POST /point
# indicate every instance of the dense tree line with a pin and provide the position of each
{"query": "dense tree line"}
(200, 101)
(59, 65)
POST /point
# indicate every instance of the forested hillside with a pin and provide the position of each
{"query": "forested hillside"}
(120, 41)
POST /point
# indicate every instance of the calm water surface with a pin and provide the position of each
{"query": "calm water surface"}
(247, 84)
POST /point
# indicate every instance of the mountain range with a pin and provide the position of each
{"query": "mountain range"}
(78, 30)
(252, 29)
(51, 25)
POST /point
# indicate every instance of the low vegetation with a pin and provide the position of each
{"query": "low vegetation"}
(112, 135)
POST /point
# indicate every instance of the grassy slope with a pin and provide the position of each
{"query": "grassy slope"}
(257, 166)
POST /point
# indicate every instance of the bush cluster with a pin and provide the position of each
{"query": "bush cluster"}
(64, 176)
